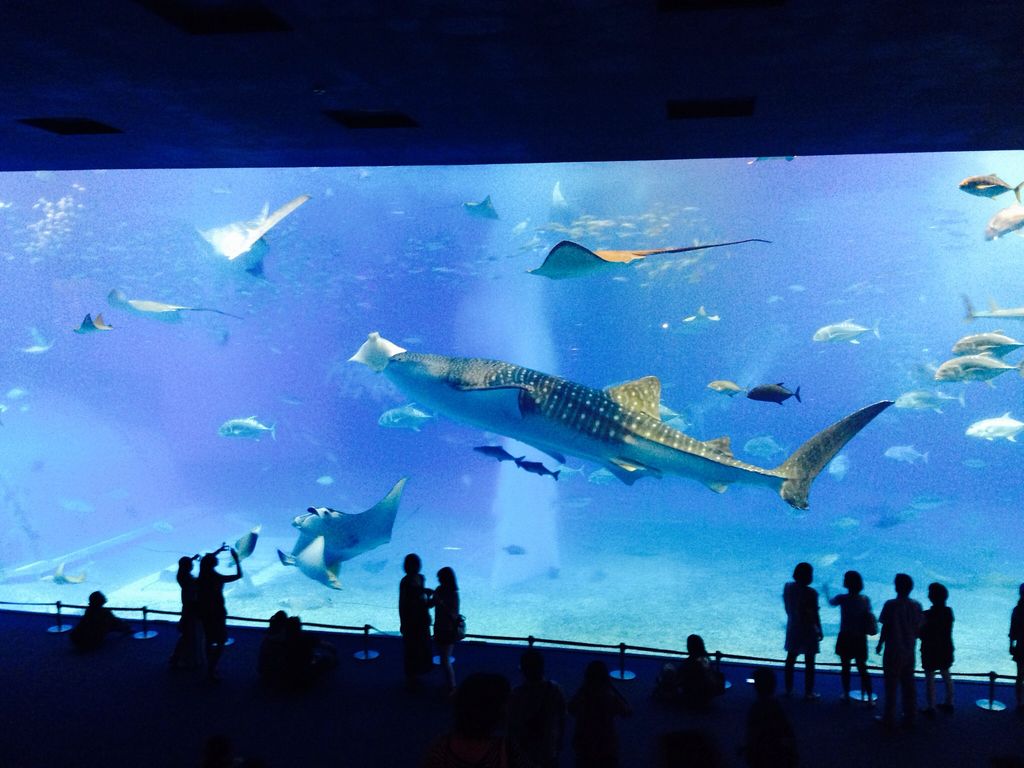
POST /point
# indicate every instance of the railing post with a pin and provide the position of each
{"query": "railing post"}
(60, 626)
(146, 633)
(990, 704)
(726, 685)
(622, 673)
(531, 640)
(366, 654)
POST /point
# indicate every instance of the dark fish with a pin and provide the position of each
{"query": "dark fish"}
(514, 549)
(537, 468)
(773, 393)
(989, 186)
(496, 452)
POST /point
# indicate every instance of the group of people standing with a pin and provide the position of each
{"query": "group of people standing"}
(901, 623)
(415, 600)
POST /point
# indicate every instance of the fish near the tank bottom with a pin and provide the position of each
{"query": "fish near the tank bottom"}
(617, 428)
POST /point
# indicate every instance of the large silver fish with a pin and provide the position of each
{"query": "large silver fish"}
(617, 428)
(1005, 221)
(973, 368)
(995, 343)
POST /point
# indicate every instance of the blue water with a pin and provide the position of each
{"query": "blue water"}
(111, 461)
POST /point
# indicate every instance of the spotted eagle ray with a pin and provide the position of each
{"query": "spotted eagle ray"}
(328, 537)
(169, 313)
(569, 259)
(91, 326)
(242, 241)
(618, 428)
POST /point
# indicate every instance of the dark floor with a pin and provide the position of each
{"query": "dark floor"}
(122, 706)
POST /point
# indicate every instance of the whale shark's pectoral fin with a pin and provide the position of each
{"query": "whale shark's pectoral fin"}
(630, 471)
(720, 444)
(639, 395)
(718, 487)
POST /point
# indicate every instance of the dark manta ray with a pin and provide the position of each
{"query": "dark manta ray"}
(569, 259)
(618, 428)
(328, 537)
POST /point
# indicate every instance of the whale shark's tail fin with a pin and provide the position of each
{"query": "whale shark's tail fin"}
(800, 469)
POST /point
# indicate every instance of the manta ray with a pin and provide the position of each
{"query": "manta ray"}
(169, 313)
(242, 241)
(618, 428)
(328, 537)
(569, 259)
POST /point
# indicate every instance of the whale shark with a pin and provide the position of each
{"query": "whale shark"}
(618, 428)
(169, 313)
(242, 241)
(328, 537)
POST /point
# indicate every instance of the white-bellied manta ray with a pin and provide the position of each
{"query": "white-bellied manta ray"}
(618, 428)
(245, 238)
(328, 537)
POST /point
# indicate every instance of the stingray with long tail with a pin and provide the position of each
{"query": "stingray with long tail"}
(569, 259)
(169, 313)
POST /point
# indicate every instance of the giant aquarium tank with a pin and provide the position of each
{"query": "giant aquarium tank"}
(177, 372)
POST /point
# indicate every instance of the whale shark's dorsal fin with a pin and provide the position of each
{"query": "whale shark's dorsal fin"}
(642, 395)
(375, 352)
(720, 444)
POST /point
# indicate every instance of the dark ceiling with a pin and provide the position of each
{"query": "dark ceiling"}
(196, 83)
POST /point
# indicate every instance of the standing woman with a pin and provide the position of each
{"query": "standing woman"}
(446, 620)
(856, 622)
(803, 627)
(212, 612)
(1017, 647)
(188, 652)
(414, 615)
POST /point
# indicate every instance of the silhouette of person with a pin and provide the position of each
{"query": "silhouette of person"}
(474, 740)
(212, 612)
(901, 622)
(699, 684)
(770, 742)
(414, 618)
(536, 713)
(856, 622)
(445, 600)
(1017, 647)
(188, 651)
(937, 647)
(96, 622)
(803, 626)
(291, 657)
(595, 706)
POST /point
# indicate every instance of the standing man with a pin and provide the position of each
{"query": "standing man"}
(901, 622)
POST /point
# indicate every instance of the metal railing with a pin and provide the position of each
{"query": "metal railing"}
(621, 673)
